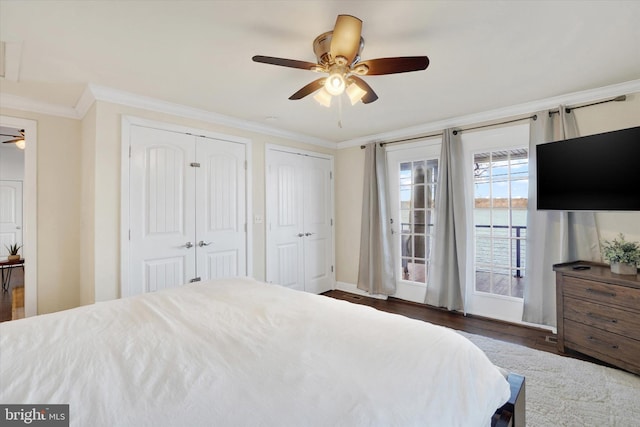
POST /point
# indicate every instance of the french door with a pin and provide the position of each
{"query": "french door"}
(412, 176)
(497, 187)
(299, 221)
(187, 209)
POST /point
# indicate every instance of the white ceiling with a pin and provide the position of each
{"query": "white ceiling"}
(484, 55)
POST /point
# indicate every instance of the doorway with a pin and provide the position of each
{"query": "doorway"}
(29, 207)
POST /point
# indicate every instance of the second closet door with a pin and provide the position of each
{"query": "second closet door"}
(299, 221)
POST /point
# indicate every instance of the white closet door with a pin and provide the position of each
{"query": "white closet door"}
(10, 215)
(162, 210)
(220, 209)
(299, 221)
(317, 213)
(285, 227)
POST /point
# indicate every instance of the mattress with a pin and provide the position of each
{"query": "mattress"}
(239, 352)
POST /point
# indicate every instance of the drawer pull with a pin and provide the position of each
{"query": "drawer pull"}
(599, 292)
(590, 338)
(601, 318)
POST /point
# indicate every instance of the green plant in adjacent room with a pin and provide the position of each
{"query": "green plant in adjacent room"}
(621, 251)
(13, 249)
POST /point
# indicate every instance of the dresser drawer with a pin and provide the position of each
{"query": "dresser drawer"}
(602, 292)
(600, 344)
(611, 319)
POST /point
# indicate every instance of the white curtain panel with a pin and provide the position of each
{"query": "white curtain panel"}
(552, 236)
(376, 273)
(448, 271)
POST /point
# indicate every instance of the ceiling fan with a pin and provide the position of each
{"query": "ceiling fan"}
(16, 139)
(338, 53)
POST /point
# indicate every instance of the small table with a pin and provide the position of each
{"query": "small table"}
(9, 266)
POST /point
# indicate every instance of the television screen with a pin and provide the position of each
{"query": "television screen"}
(594, 173)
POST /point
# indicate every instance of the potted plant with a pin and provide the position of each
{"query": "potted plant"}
(13, 252)
(622, 255)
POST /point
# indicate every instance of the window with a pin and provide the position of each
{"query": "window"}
(501, 185)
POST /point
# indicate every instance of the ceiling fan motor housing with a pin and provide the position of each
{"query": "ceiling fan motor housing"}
(322, 49)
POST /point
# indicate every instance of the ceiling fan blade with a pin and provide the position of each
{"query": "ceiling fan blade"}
(291, 63)
(345, 40)
(397, 65)
(370, 96)
(12, 141)
(308, 89)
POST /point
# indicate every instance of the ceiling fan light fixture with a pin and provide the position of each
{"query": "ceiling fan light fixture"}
(20, 144)
(355, 93)
(335, 84)
(323, 97)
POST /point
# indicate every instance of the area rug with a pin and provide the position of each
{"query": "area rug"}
(562, 391)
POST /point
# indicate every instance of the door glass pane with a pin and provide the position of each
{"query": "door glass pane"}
(417, 193)
(500, 220)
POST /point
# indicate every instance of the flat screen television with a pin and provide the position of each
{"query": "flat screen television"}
(593, 173)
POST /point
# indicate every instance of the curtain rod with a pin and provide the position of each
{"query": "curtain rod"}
(534, 117)
(568, 109)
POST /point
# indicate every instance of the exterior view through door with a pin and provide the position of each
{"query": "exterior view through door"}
(187, 201)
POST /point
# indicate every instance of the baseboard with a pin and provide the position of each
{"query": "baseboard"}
(353, 289)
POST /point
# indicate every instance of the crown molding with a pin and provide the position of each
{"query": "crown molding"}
(571, 99)
(25, 104)
(105, 94)
(93, 93)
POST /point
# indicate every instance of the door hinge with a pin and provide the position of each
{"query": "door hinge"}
(246, 165)
(129, 234)
(129, 151)
(195, 279)
(194, 165)
(332, 222)
(332, 268)
(330, 175)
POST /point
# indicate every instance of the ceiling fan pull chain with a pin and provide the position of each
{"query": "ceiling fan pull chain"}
(339, 111)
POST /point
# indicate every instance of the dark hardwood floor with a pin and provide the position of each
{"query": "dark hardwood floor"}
(536, 338)
(17, 279)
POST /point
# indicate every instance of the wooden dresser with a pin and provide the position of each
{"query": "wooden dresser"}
(599, 313)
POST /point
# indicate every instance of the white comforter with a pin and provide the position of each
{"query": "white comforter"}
(244, 353)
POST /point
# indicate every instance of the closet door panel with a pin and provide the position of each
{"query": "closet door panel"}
(285, 226)
(318, 240)
(161, 210)
(220, 209)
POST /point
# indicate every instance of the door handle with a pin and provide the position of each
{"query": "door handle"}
(202, 243)
(300, 234)
(308, 234)
(187, 245)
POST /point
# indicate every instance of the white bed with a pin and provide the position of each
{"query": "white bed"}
(244, 353)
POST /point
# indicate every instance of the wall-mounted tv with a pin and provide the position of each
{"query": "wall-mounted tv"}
(593, 173)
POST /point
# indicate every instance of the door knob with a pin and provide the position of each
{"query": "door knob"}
(202, 243)
(187, 245)
(308, 234)
(300, 234)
